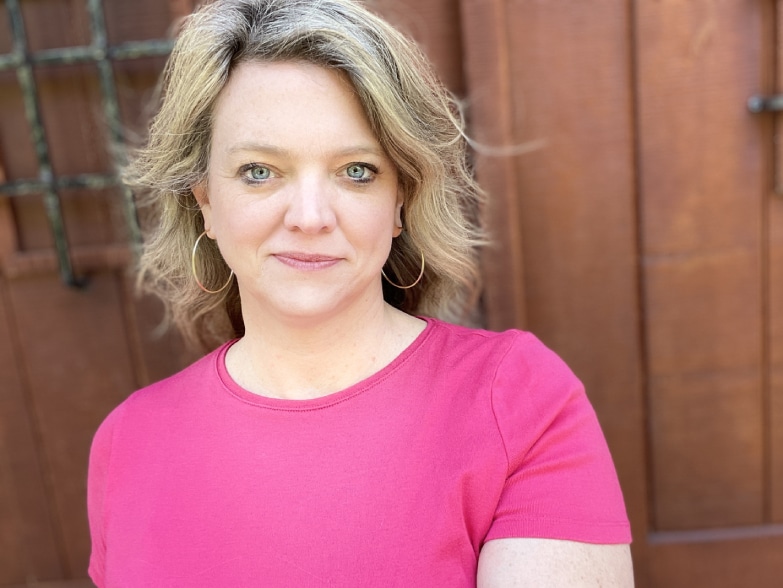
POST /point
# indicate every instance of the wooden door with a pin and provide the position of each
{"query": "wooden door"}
(67, 355)
(646, 247)
(712, 292)
(639, 228)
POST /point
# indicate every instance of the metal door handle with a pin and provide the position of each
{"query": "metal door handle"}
(757, 104)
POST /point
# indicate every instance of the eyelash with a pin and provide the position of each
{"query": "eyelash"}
(368, 166)
(245, 169)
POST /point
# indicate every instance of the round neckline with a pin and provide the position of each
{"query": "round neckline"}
(285, 404)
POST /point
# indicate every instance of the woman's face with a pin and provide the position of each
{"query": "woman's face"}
(300, 196)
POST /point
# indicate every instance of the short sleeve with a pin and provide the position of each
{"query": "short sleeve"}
(97, 481)
(561, 482)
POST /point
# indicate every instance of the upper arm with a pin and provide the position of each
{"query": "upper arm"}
(97, 479)
(552, 563)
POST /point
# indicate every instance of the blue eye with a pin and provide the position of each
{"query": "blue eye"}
(254, 173)
(356, 171)
(258, 172)
(361, 172)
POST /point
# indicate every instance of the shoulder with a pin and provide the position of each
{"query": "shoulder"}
(161, 397)
(516, 359)
(202, 372)
(530, 386)
(151, 414)
(525, 384)
(461, 340)
(560, 481)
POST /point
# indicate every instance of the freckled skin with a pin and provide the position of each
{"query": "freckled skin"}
(300, 196)
(551, 563)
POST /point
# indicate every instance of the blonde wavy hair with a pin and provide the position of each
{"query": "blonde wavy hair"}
(416, 120)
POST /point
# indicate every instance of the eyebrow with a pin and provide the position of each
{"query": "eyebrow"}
(275, 150)
(257, 147)
(359, 149)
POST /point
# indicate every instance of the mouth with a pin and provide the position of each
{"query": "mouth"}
(306, 261)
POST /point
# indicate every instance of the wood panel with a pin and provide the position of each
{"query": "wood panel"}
(701, 200)
(576, 211)
(28, 549)
(51, 24)
(775, 289)
(16, 146)
(140, 20)
(27, 544)
(135, 81)
(775, 375)
(708, 450)
(735, 558)
(705, 309)
(5, 35)
(776, 419)
(78, 142)
(569, 205)
(489, 109)
(57, 584)
(76, 355)
(435, 26)
(159, 352)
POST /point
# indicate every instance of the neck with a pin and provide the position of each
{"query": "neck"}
(300, 359)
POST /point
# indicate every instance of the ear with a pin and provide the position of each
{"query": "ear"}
(398, 215)
(200, 193)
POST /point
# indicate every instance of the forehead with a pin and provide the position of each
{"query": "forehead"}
(289, 104)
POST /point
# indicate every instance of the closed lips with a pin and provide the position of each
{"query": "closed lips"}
(307, 261)
(306, 257)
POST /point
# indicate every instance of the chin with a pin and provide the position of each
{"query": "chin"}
(311, 307)
(309, 302)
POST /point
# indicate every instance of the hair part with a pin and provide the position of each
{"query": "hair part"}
(416, 121)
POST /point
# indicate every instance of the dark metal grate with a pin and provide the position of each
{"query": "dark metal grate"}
(100, 54)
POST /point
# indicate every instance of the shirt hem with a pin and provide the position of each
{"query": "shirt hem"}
(595, 532)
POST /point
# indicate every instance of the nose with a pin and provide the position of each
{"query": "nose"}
(310, 206)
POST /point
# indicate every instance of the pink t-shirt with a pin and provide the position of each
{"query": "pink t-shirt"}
(399, 480)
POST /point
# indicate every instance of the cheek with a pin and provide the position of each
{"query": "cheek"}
(377, 227)
(242, 220)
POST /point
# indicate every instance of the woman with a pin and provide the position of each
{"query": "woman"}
(303, 154)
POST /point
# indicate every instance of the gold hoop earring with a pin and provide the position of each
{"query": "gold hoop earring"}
(421, 275)
(195, 275)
